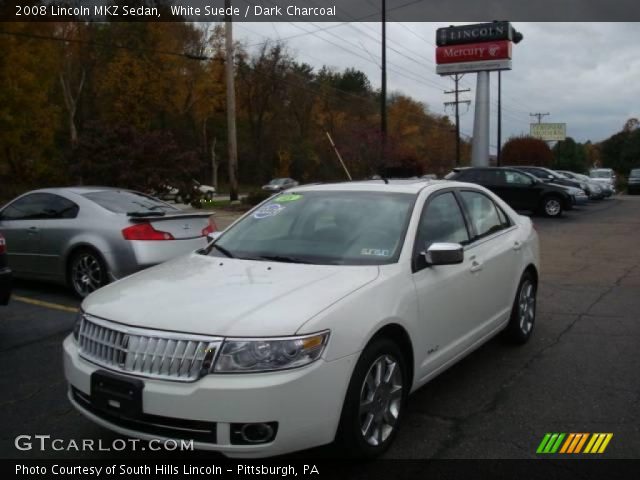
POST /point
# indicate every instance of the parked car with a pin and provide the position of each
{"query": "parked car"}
(578, 195)
(521, 190)
(309, 320)
(593, 189)
(199, 190)
(168, 192)
(279, 184)
(633, 184)
(5, 273)
(86, 237)
(605, 177)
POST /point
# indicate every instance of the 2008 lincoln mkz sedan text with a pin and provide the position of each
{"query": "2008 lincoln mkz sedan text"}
(309, 320)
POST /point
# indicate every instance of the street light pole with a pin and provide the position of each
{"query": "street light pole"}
(499, 152)
(383, 89)
(231, 105)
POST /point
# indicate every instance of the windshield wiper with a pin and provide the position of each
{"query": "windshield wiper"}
(280, 258)
(223, 250)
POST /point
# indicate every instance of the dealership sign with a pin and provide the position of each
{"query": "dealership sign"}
(479, 47)
(478, 32)
(466, 67)
(474, 52)
(549, 132)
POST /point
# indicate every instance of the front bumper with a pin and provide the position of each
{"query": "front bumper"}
(580, 199)
(5, 285)
(306, 403)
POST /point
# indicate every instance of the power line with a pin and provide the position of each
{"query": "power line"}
(539, 116)
(456, 103)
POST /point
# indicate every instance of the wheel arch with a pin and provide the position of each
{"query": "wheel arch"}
(78, 248)
(398, 334)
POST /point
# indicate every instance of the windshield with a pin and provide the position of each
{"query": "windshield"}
(322, 227)
(600, 174)
(125, 201)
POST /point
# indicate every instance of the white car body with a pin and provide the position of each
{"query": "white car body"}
(445, 312)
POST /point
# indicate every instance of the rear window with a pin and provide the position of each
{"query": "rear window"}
(124, 201)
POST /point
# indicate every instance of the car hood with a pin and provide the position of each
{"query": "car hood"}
(227, 297)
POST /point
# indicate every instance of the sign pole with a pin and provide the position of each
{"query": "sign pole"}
(480, 145)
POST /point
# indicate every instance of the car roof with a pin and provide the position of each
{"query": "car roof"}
(78, 190)
(412, 186)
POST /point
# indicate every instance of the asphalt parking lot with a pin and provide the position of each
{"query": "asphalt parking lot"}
(579, 373)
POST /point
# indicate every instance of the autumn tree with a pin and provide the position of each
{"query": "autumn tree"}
(569, 155)
(526, 150)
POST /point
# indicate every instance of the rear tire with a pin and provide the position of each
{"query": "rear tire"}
(523, 312)
(87, 272)
(375, 401)
(551, 206)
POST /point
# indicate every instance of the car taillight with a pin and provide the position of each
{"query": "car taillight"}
(3, 245)
(209, 228)
(144, 231)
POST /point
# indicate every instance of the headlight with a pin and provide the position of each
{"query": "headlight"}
(76, 325)
(267, 354)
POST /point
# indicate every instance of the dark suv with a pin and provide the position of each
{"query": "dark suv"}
(5, 273)
(521, 190)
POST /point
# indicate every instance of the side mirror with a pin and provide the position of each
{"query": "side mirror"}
(444, 254)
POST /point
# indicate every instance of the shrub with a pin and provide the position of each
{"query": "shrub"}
(255, 197)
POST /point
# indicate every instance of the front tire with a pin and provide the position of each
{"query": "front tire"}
(551, 206)
(87, 272)
(375, 401)
(523, 312)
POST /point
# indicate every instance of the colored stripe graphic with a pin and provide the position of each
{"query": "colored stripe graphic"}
(573, 443)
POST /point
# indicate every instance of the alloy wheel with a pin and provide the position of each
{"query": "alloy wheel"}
(552, 207)
(527, 306)
(380, 400)
(86, 274)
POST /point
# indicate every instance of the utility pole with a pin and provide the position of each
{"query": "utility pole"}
(456, 103)
(383, 88)
(231, 105)
(499, 152)
(539, 116)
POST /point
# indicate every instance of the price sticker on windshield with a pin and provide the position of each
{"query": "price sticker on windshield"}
(287, 197)
(270, 210)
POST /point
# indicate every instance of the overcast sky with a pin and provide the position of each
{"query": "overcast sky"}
(584, 74)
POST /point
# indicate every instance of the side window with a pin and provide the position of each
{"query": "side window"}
(516, 178)
(39, 206)
(442, 221)
(482, 212)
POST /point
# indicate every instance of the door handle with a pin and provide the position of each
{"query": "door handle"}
(33, 230)
(476, 266)
(517, 245)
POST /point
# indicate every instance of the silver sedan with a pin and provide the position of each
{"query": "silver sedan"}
(86, 237)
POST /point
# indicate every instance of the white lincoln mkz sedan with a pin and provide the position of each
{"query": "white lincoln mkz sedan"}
(308, 321)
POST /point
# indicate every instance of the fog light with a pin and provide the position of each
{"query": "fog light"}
(253, 433)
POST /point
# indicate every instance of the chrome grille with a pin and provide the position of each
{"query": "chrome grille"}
(147, 353)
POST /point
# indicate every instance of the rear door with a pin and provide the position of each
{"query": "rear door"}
(521, 193)
(493, 262)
